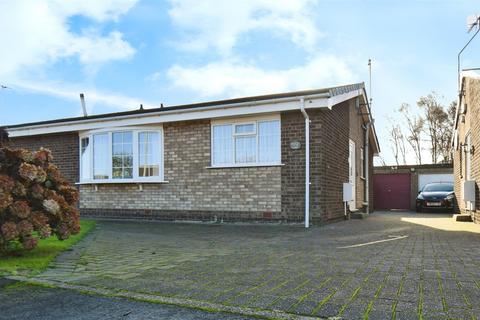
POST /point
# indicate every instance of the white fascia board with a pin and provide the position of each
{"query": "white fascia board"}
(253, 108)
(343, 97)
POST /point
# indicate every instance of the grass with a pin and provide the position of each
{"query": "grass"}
(32, 262)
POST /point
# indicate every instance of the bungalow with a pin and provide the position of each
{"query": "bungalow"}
(279, 157)
(466, 140)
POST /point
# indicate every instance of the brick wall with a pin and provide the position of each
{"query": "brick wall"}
(331, 160)
(193, 191)
(470, 124)
(329, 135)
(357, 134)
(293, 171)
(328, 164)
(64, 149)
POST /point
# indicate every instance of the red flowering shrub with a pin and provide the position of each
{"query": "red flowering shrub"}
(35, 200)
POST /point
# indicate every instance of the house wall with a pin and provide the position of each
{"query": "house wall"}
(471, 123)
(330, 131)
(415, 171)
(64, 149)
(193, 191)
(330, 163)
(293, 169)
(196, 192)
(357, 134)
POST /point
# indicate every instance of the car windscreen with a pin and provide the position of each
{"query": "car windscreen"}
(445, 187)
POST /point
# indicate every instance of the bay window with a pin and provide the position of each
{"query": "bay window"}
(246, 142)
(127, 155)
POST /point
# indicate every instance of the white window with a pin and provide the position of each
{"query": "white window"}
(148, 154)
(126, 155)
(100, 156)
(246, 142)
(85, 159)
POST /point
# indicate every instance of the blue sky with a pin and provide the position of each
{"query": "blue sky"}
(123, 53)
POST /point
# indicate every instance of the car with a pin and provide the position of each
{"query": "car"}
(437, 195)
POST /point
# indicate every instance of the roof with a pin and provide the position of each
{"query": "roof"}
(318, 98)
(332, 91)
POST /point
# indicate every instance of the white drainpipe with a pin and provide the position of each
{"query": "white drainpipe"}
(307, 162)
(367, 180)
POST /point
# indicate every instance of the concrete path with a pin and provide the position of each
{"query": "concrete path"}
(389, 266)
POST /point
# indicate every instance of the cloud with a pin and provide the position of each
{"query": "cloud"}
(35, 33)
(218, 24)
(92, 96)
(236, 79)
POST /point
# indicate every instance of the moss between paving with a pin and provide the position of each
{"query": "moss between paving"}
(35, 261)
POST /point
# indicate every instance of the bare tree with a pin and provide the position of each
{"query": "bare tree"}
(398, 143)
(382, 160)
(446, 132)
(415, 126)
(436, 119)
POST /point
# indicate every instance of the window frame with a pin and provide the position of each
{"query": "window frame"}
(234, 122)
(135, 177)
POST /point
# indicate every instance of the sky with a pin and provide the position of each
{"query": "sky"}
(121, 54)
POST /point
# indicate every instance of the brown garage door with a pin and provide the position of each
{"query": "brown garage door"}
(392, 191)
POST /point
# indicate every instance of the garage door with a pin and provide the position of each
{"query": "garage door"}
(391, 191)
(423, 179)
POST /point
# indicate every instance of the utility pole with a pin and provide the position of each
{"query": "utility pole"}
(370, 80)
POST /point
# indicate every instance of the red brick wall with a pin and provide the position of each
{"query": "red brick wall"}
(293, 171)
(64, 149)
(331, 163)
(329, 137)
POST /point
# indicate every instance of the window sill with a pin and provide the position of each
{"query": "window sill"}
(121, 182)
(246, 166)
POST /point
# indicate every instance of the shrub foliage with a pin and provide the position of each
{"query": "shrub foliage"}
(35, 200)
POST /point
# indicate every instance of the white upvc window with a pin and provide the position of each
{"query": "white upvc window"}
(246, 142)
(122, 155)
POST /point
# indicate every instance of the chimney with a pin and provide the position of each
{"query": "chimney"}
(82, 101)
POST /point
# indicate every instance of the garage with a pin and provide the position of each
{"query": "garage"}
(396, 187)
(423, 179)
(392, 191)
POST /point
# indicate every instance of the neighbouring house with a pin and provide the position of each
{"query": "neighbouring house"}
(397, 187)
(279, 157)
(466, 140)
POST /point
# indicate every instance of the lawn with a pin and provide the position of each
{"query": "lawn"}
(36, 260)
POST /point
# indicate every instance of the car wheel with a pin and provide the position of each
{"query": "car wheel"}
(419, 209)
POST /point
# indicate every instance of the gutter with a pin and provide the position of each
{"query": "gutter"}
(51, 126)
(307, 162)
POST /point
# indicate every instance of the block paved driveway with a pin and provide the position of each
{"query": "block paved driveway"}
(429, 268)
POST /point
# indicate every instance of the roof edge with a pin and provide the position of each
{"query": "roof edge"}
(333, 91)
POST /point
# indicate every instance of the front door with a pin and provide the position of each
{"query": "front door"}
(351, 172)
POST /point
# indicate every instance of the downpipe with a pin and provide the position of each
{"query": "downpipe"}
(307, 162)
(367, 175)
